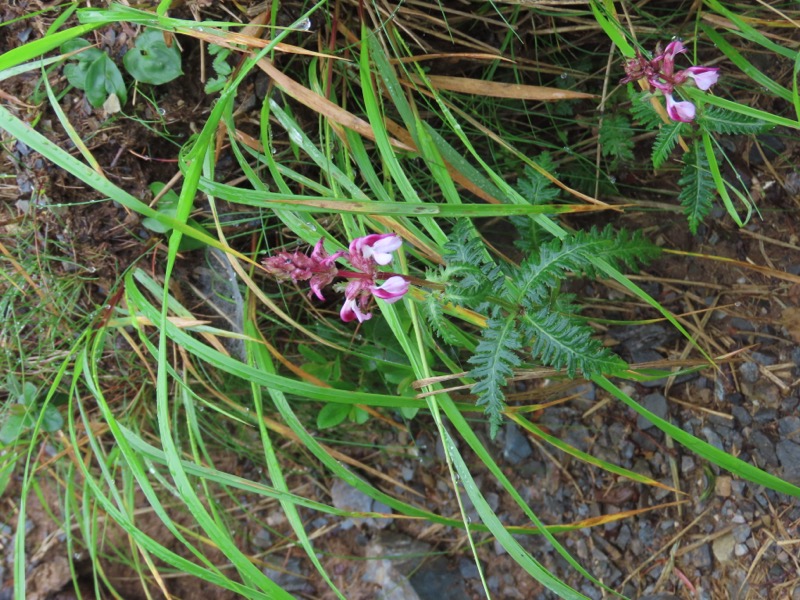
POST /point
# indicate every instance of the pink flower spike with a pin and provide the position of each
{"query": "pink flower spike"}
(680, 111)
(704, 77)
(391, 290)
(378, 247)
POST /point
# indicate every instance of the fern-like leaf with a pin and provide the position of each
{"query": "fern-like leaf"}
(535, 187)
(464, 246)
(578, 253)
(697, 187)
(561, 342)
(665, 141)
(470, 272)
(495, 358)
(433, 309)
(720, 120)
(642, 110)
(615, 137)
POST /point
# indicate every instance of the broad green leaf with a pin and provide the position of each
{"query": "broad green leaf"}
(103, 79)
(151, 60)
(332, 415)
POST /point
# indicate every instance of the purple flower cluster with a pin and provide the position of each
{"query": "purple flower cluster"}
(660, 74)
(365, 254)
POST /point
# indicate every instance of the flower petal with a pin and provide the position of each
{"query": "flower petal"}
(680, 111)
(391, 290)
(704, 77)
(351, 310)
(376, 247)
(674, 48)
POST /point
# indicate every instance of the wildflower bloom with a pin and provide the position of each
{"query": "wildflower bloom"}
(376, 247)
(365, 253)
(319, 269)
(660, 75)
(680, 111)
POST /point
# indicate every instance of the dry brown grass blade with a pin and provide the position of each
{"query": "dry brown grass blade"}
(321, 105)
(465, 182)
(499, 89)
(766, 271)
(234, 41)
(450, 56)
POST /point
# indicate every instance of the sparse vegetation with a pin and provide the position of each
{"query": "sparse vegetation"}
(178, 403)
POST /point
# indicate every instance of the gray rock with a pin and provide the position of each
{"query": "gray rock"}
(406, 554)
(623, 537)
(687, 464)
(658, 597)
(763, 359)
(699, 558)
(790, 403)
(393, 557)
(437, 580)
(741, 533)
(723, 548)
(516, 447)
(288, 576)
(742, 415)
(467, 568)
(765, 415)
(749, 372)
(789, 427)
(346, 497)
(262, 539)
(578, 437)
(741, 324)
(763, 449)
(789, 456)
(656, 404)
(636, 337)
(713, 438)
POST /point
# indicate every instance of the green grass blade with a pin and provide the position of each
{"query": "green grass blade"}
(746, 66)
(701, 448)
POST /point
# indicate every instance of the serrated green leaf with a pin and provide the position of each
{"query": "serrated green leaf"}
(697, 187)
(616, 139)
(665, 141)
(535, 187)
(720, 120)
(561, 342)
(495, 359)
(642, 109)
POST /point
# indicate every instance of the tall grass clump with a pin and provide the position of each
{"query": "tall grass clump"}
(504, 183)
